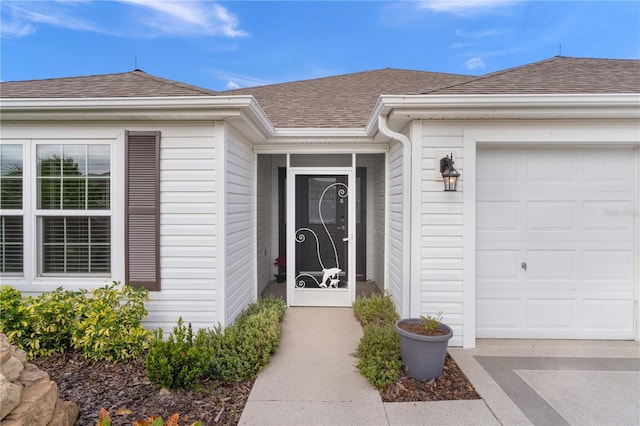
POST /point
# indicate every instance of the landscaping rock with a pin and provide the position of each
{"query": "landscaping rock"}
(11, 369)
(36, 405)
(20, 354)
(64, 414)
(10, 394)
(5, 349)
(27, 395)
(31, 375)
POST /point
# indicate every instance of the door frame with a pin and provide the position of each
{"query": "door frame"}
(330, 297)
(361, 235)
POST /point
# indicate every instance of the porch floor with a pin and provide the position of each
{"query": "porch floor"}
(279, 290)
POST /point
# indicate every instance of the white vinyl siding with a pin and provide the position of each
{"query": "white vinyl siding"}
(240, 187)
(440, 232)
(188, 230)
(394, 278)
(378, 173)
(265, 199)
(188, 223)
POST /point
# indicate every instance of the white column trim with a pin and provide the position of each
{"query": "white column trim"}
(469, 241)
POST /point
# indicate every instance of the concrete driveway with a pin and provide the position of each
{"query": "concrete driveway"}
(556, 382)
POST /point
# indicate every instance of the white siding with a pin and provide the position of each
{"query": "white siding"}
(378, 173)
(188, 223)
(188, 232)
(440, 232)
(394, 280)
(240, 241)
(263, 219)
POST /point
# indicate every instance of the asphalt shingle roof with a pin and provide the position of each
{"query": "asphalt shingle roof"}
(130, 84)
(344, 100)
(558, 75)
(347, 101)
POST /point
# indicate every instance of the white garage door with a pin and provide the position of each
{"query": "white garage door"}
(555, 243)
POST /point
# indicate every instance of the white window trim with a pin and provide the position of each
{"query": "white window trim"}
(32, 276)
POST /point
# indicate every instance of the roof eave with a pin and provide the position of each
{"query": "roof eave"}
(241, 111)
(402, 109)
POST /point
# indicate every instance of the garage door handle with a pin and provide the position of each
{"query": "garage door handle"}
(523, 265)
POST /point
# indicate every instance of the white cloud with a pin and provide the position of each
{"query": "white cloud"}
(20, 19)
(464, 7)
(143, 18)
(474, 63)
(188, 17)
(15, 29)
(232, 85)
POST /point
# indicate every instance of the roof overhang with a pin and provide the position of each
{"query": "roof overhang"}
(242, 112)
(402, 109)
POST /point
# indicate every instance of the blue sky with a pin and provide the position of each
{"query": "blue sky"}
(229, 44)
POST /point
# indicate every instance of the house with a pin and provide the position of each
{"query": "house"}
(193, 194)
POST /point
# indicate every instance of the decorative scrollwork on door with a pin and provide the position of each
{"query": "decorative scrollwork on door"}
(330, 273)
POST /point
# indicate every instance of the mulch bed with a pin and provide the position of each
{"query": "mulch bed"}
(124, 390)
(451, 385)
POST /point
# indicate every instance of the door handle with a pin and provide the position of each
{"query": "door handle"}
(523, 265)
(346, 239)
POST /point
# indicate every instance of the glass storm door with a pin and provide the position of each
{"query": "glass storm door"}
(322, 239)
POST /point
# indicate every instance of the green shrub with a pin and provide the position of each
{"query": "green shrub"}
(234, 354)
(109, 327)
(377, 308)
(14, 318)
(52, 317)
(379, 349)
(106, 326)
(180, 360)
(243, 349)
(379, 353)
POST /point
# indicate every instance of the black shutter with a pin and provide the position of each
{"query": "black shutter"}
(142, 206)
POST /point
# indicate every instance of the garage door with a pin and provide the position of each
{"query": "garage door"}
(555, 243)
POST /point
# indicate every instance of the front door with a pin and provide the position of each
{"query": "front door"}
(322, 239)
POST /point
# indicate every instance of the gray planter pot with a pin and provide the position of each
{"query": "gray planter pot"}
(423, 356)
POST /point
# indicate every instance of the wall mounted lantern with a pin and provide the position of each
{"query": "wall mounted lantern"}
(449, 174)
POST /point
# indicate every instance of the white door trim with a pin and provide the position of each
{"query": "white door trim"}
(336, 297)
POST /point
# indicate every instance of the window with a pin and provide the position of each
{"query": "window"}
(11, 220)
(57, 212)
(73, 208)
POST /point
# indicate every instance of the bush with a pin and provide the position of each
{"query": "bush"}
(14, 318)
(109, 327)
(52, 317)
(180, 360)
(40, 325)
(379, 353)
(376, 309)
(236, 353)
(106, 326)
(379, 349)
(245, 348)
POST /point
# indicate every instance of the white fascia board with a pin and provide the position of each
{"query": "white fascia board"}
(183, 108)
(242, 112)
(404, 108)
(288, 137)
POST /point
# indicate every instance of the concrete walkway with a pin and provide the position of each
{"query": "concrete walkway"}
(312, 380)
